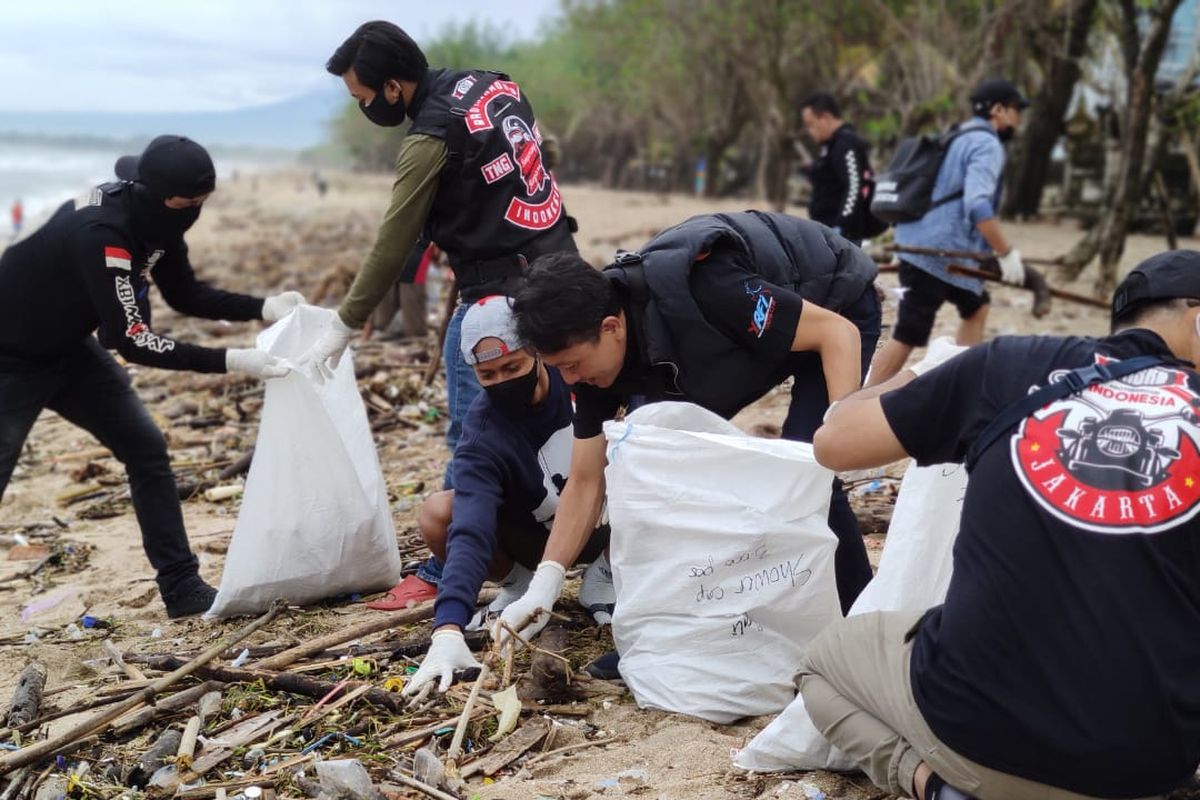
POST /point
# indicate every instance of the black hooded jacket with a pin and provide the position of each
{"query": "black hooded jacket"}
(90, 267)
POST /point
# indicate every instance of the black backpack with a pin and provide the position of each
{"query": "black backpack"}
(904, 191)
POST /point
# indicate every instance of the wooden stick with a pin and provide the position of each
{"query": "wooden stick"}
(66, 712)
(167, 705)
(214, 789)
(35, 752)
(969, 255)
(424, 788)
(410, 736)
(386, 621)
(27, 698)
(239, 467)
(16, 784)
(509, 750)
(580, 746)
(187, 744)
(460, 731)
(1061, 294)
(447, 313)
(132, 672)
(289, 682)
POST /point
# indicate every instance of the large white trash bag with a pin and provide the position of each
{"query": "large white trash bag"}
(314, 521)
(722, 559)
(914, 573)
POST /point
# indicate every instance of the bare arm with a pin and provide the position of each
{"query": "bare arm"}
(837, 341)
(856, 434)
(990, 229)
(579, 506)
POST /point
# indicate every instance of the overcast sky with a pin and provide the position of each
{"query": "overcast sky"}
(203, 55)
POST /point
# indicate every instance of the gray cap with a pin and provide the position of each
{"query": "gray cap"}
(490, 317)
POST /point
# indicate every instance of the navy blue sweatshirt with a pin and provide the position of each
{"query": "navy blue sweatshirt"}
(509, 468)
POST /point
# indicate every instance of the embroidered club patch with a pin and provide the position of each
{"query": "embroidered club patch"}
(1118, 457)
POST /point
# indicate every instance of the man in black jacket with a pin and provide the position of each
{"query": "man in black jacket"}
(842, 180)
(90, 267)
(716, 311)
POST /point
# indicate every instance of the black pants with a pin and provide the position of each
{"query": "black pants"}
(89, 389)
(810, 400)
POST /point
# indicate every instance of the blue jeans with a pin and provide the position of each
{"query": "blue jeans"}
(461, 387)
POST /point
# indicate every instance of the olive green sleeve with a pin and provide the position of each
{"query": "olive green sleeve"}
(418, 165)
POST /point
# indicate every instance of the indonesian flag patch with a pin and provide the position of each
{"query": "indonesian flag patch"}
(118, 258)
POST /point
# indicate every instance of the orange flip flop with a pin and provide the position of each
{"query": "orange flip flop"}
(408, 592)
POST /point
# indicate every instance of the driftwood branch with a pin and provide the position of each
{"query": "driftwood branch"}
(40, 750)
(27, 698)
(386, 621)
(285, 682)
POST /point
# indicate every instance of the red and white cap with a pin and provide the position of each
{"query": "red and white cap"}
(491, 317)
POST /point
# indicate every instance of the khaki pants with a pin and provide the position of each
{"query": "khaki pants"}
(855, 683)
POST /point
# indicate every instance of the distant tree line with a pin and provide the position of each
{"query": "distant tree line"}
(639, 91)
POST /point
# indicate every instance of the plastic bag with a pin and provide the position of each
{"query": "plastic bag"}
(314, 521)
(918, 554)
(722, 560)
(914, 573)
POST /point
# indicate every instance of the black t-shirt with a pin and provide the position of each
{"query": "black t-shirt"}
(718, 284)
(1068, 648)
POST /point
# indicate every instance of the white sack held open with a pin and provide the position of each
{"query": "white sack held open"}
(722, 559)
(914, 574)
(315, 521)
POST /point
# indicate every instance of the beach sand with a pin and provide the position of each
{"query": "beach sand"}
(273, 232)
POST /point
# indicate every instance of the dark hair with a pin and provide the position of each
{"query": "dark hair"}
(378, 52)
(821, 103)
(1132, 315)
(561, 302)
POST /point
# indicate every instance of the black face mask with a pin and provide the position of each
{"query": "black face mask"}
(381, 112)
(514, 394)
(1006, 134)
(158, 223)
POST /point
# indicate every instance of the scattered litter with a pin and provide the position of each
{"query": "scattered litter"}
(42, 604)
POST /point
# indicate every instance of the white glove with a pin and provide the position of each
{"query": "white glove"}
(1012, 269)
(258, 363)
(278, 306)
(512, 588)
(323, 357)
(941, 350)
(448, 652)
(543, 590)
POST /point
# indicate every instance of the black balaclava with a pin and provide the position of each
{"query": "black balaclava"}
(170, 166)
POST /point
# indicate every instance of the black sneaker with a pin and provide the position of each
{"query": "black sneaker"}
(191, 596)
(606, 666)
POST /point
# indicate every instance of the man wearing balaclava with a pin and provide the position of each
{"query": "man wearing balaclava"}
(89, 269)
(471, 177)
